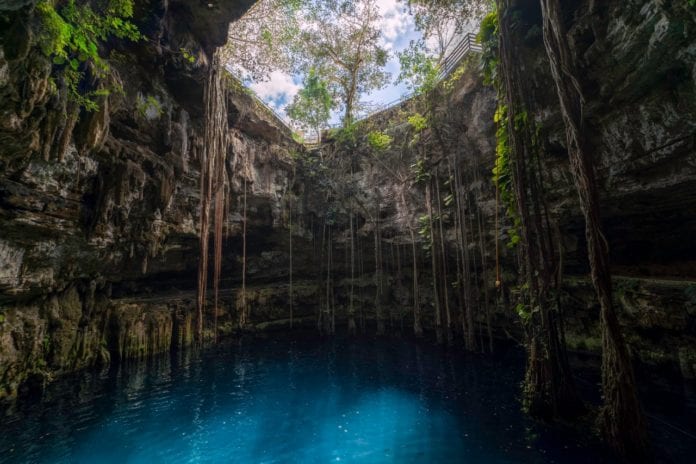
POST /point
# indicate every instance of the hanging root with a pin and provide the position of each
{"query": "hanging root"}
(621, 420)
(212, 178)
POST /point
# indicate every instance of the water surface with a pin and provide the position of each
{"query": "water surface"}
(284, 400)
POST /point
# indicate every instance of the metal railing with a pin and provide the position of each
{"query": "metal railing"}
(272, 111)
(464, 47)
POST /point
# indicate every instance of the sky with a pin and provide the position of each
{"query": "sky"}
(398, 30)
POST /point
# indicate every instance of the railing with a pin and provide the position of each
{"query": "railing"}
(271, 110)
(465, 46)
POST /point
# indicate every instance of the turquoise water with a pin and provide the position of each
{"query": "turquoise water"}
(292, 401)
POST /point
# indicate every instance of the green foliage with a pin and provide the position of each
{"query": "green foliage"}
(308, 161)
(418, 70)
(488, 37)
(298, 137)
(148, 107)
(312, 105)
(449, 83)
(521, 120)
(342, 41)
(524, 312)
(424, 231)
(418, 122)
(420, 171)
(71, 36)
(379, 141)
(347, 135)
(502, 171)
(264, 39)
(188, 56)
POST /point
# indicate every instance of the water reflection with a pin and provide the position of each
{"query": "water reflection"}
(305, 401)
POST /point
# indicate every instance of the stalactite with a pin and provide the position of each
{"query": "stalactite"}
(622, 418)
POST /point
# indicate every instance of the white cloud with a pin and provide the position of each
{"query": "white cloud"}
(398, 29)
(278, 90)
(396, 22)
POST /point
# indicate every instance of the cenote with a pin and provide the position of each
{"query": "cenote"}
(305, 399)
(369, 231)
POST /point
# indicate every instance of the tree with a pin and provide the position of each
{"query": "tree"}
(442, 24)
(418, 70)
(311, 107)
(263, 40)
(341, 41)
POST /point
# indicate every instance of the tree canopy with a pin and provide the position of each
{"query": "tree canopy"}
(442, 24)
(341, 43)
(264, 39)
(311, 107)
(341, 40)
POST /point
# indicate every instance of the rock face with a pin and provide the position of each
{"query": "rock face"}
(637, 62)
(99, 211)
(106, 206)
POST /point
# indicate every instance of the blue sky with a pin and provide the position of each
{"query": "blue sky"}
(398, 30)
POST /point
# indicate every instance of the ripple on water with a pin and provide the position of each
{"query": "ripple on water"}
(284, 401)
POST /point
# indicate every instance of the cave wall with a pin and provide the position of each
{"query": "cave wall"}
(99, 222)
(98, 228)
(637, 62)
